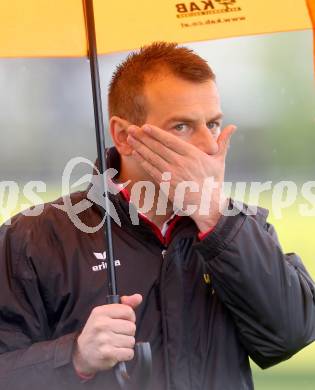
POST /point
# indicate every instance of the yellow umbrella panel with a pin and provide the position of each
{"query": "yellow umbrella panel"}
(37, 28)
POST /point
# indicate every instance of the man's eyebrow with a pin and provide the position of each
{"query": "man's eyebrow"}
(187, 119)
(217, 117)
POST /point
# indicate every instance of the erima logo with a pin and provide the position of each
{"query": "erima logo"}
(103, 265)
(100, 256)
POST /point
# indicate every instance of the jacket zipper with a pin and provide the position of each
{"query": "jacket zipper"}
(164, 322)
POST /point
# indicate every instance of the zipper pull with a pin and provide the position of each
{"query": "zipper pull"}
(164, 253)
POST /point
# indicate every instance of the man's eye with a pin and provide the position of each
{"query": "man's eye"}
(181, 127)
(214, 127)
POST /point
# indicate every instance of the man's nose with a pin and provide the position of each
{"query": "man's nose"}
(207, 141)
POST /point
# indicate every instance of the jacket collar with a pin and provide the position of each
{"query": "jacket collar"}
(122, 211)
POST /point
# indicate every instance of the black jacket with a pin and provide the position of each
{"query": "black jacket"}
(208, 304)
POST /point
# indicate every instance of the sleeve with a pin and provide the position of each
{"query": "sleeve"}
(29, 358)
(269, 294)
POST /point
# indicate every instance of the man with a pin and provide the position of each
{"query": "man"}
(206, 290)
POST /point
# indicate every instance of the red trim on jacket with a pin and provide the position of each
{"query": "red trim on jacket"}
(165, 240)
(203, 235)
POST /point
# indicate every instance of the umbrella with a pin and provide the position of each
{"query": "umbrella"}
(67, 28)
(56, 28)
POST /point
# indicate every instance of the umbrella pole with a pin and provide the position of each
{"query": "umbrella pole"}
(100, 141)
(143, 349)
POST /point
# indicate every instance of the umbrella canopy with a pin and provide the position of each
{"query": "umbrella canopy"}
(43, 28)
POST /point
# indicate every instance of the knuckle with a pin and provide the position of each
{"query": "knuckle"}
(156, 145)
(98, 326)
(96, 311)
(106, 352)
(106, 339)
(129, 311)
(129, 355)
(133, 328)
(103, 326)
(178, 162)
(168, 169)
(106, 324)
(101, 311)
(151, 158)
(168, 144)
(145, 164)
(132, 342)
(114, 307)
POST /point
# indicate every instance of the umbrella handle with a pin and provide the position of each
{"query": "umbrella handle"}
(122, 375)
(143, 355)
(142, 371)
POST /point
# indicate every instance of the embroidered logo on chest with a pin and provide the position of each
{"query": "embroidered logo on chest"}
(103, 265)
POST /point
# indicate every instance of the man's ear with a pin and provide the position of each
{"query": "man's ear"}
(118, 129)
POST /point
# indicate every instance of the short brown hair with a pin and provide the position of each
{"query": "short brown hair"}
(125, 94)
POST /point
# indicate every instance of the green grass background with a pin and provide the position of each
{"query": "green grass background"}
(296, 234)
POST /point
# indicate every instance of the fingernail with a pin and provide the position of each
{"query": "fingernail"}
(132, 129)
(147, 128)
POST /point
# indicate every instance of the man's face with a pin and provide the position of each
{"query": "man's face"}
(186, 109)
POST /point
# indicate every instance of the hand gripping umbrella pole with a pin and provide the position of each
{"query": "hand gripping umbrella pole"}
(142, 350)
